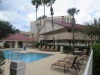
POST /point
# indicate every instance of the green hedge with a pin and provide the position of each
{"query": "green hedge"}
(68, 49)
(36, 44)
(96, 59)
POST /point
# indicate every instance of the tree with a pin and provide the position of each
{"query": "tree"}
(6, 28)
(92, 30)
(96, 59)
(39, 24)
(52, 13)
(48, 3)
(72, 12)
(36, 3)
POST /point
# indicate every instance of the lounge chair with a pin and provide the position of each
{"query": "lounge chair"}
(79, 61)
(66, 65)
(39, 47)
(47, 48)
(43, 48)
(56, 48)
(84, 54)
(52, 47)
(69, 57)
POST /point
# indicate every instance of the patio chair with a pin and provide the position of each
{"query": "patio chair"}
(39, 47)
(43, 48)
(84, 54)
(47, 48)
(66, 65)
(69, 57)
(76, 49)
(50, 49)
(56, 48)
(79, 61)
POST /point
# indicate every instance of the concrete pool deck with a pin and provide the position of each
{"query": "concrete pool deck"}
(43, 66)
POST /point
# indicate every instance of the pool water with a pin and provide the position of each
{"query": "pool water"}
(26, 57)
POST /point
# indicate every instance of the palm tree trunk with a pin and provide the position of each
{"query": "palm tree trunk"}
(44, 24)
(52, 24)
(53, 30)
(36, 25)
(73, 25)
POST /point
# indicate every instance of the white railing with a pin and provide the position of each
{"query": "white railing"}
(88, 69)
(68, 44)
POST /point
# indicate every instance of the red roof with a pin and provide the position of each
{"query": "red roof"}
(68, 25)
(17, 37)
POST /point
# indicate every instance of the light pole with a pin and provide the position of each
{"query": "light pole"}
(52, 13)
(73, 30)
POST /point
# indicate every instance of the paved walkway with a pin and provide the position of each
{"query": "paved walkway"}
(43, 66)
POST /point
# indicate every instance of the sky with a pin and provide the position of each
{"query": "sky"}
(21, 12)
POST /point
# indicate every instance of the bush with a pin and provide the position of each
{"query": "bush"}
(96, 59)
(6, 45)
(2, 62)
(36, 44)
(67, 49)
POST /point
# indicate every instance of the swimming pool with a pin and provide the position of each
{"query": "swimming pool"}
(26, 57)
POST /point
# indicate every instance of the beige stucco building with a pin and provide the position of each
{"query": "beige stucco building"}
(62, 32)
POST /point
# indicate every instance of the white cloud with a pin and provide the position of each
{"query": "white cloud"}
(2, 16)
(31, 16)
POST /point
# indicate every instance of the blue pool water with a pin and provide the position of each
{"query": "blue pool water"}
(27, 57)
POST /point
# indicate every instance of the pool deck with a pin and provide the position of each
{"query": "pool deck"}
(43, 66)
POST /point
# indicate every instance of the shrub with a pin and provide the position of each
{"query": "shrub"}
(36, 44)
(2, 62)
(96, 59)
(6, 45)
(67, 49)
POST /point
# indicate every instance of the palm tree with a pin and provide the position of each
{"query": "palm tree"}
(39, 24)
(52, 13)
(48, 3)
(36, 3)
(72, 12)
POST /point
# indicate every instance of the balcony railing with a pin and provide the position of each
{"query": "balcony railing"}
(68, 44)
(88, 69)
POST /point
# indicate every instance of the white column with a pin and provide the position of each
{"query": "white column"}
(16, 44)
(55, 37)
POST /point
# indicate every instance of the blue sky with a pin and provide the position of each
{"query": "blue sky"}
(21, 12)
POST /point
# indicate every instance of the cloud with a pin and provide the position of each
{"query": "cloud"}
(21, 12)
(16, 12)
